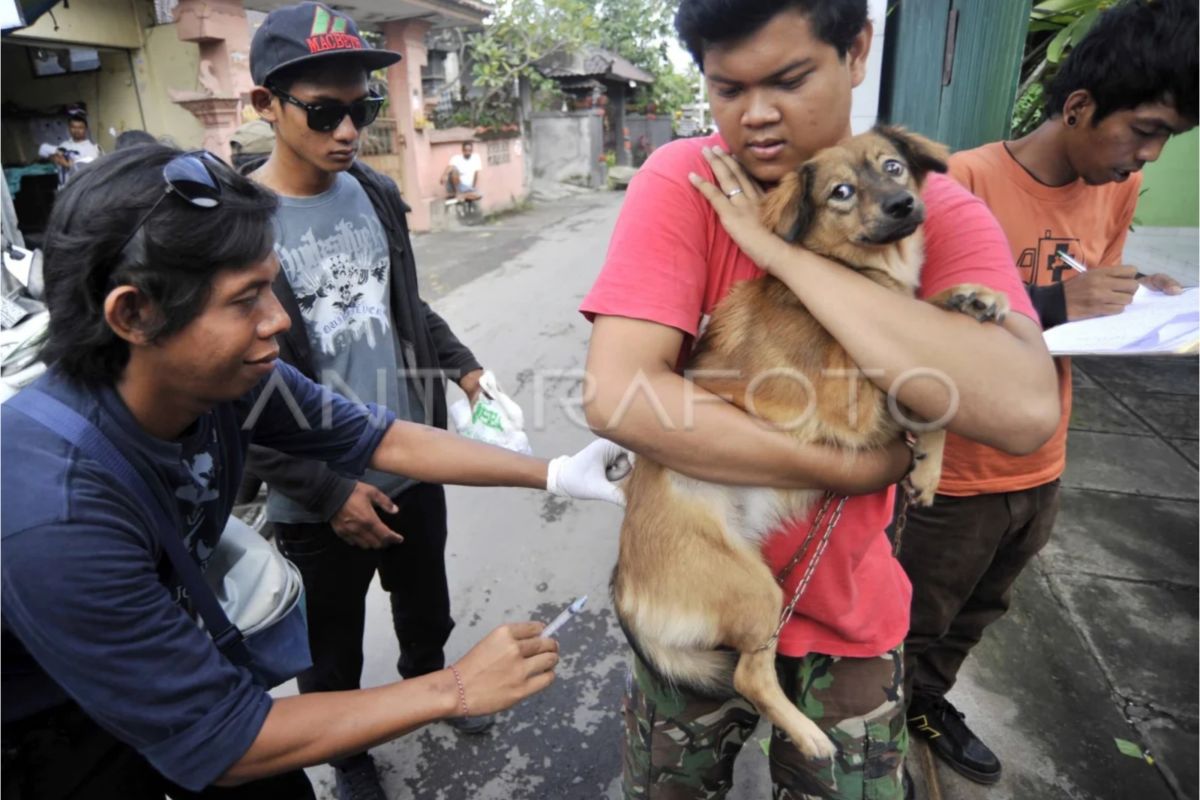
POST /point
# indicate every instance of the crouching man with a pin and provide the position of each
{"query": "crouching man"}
(158, 270)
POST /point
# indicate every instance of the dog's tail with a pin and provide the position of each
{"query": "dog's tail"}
(702, 671)
(707, 673)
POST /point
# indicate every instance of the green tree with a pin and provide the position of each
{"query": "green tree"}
(515, 37)
(520, 33)
(1055, 26)
(640, 31)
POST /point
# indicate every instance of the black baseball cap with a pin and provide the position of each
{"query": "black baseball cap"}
(306, 32)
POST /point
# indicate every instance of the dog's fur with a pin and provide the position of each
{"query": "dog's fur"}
(690, 577)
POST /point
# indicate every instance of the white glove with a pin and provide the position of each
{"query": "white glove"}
(590, 473)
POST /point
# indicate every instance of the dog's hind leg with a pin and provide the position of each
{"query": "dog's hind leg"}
(756, 680)
(755, 677)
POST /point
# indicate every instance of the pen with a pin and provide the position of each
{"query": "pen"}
(1066, 258)
(564, 617)
(1078, 267)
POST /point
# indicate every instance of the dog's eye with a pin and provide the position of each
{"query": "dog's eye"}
(843, 191)
(893, 167)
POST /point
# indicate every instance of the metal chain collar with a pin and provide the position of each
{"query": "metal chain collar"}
(812, 564)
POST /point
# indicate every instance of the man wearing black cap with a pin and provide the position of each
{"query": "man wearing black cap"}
(348, 281)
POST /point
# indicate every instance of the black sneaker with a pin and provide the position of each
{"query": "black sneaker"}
(472, 726)
(356, 779)
(951, 740)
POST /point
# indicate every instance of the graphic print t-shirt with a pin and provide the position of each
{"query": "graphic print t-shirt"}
(334, 251)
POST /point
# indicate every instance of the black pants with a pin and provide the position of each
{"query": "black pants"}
(337, 576)
(61, 754)
(963, 555)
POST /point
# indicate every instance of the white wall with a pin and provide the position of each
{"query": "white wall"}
(866, 96)
(568, 146)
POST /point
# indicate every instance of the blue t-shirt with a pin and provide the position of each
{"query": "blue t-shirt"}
(91, 608)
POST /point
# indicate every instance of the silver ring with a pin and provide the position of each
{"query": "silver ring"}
(732, 193)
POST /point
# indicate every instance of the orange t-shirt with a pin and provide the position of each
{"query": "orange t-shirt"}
(1090, 223)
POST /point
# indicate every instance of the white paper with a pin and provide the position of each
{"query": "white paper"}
(18, 260)
(1153, 323)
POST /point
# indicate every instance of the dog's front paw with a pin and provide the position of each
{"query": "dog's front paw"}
(921, 483)
(980, 302)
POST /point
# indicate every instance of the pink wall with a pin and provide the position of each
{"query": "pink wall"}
(404, 87)
(426, 151)
(502, 184)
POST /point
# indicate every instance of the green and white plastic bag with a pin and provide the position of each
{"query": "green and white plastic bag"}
(495, 419)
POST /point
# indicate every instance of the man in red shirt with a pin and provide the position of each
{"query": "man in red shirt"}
(779, 79)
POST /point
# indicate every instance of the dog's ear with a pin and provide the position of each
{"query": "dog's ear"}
(923, 155)
(787, 209)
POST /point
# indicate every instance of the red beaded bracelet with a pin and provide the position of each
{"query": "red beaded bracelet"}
(462, 692)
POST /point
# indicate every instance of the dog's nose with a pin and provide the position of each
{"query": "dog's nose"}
(899, 206)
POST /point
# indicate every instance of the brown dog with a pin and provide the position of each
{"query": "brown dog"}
(690, 577)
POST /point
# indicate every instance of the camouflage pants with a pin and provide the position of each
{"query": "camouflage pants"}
(682, 747)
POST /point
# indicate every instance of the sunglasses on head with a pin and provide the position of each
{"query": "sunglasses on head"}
(326, 116)
(190, 177)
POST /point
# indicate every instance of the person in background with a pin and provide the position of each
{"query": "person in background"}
(461, 176)
(359, 325)
(252, 142)
(77, 149)
(1126, 88)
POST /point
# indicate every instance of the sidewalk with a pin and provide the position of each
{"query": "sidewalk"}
(1101, 641)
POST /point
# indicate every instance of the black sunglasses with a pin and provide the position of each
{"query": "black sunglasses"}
(189, 176)
(325, 117)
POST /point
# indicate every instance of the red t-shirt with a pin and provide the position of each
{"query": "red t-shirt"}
(670, 261)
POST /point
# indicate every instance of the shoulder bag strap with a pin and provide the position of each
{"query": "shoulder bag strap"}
(63, 420)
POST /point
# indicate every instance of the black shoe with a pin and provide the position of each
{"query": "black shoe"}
(951, 740)
(472, 726)
(356, 779)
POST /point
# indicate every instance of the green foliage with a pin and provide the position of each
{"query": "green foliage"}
(1055, 26)
(514, 39)
(671, 91)
(640, 31)
(522, 32)
(1027, 111)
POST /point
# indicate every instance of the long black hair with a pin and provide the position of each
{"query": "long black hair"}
(171, 260)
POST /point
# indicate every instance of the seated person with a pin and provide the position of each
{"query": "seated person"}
(461, 176)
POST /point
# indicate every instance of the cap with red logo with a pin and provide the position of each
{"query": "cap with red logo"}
(307, 31)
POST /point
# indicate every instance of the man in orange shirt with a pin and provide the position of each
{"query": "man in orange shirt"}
(1071, 187)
